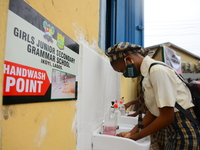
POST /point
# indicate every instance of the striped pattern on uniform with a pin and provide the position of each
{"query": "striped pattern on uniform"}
(182, 134)
(161, 136)
(140, 124)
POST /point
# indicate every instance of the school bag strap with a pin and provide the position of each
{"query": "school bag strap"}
(188, 115)
(179, 107)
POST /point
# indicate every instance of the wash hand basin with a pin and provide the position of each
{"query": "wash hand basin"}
(109, 142)
(129, 119)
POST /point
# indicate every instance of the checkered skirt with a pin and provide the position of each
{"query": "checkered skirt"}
(182, 134)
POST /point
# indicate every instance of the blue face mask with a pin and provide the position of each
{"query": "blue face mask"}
(131, 71)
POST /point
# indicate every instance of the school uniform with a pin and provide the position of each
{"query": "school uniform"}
(163, 88)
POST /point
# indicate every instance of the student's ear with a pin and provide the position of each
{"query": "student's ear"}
(128, 60)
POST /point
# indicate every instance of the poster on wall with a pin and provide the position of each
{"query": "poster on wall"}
(41, 62)
(172, 59)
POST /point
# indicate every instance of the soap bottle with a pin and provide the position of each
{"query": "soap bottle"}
(116, 101)
(122, 99)
(122, 108)
(110, 122)
(118, 114)
(112, 103)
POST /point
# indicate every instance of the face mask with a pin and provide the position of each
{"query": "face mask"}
(131, 71)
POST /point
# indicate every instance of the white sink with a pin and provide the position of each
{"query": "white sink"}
(109, 142)
(129, 119)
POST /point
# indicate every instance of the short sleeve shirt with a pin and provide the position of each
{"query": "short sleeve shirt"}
(162, 87)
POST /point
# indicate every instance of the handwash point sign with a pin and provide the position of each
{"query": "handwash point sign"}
(41, 62)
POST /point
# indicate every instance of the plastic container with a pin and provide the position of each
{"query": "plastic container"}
(118, 114)
(110, 123)
(122, 99)
(122, 108)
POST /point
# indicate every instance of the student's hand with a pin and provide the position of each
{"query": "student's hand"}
(134, 114)
(133, 102)
(127, 105)
(124, 134)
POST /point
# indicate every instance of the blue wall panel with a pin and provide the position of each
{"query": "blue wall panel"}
(129, 21)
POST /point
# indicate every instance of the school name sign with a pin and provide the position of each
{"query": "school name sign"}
(39, 58)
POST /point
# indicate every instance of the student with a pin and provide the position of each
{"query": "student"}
(162, 88)
(158, 139)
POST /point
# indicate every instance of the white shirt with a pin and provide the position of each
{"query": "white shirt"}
(163, 88)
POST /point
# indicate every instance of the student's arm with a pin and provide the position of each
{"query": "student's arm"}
(134, 114)
(148, 118)
(135, 101)
(151, 124)
(166, 118)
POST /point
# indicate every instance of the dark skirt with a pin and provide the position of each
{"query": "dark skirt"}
(161, 136)
(182, 134)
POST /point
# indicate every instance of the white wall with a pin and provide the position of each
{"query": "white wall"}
(98, 85)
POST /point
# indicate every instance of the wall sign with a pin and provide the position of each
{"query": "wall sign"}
(41, 62)
(172, 59)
